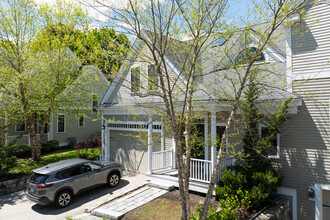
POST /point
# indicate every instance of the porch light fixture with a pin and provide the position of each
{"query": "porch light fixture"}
(103, 127)
(311, 193)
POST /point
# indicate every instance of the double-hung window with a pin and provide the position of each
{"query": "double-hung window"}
(60, 123)
(152, 78)
(274, 150)
(81, 121)
(135, 80)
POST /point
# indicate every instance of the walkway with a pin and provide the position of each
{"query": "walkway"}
(117, 208)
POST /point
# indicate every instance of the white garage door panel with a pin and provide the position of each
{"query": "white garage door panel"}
(128, 149)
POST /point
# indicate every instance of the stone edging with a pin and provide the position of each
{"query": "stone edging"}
(13, 185)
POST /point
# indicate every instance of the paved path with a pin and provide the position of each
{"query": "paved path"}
(16, 206)
(117, 208)
(120, 207)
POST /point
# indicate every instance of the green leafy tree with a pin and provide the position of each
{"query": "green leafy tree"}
(39, 79)
(103, 47)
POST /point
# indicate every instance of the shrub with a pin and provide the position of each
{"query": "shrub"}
(20, 151)
(257, 188)
(6, 161)
(49, 146)
(228, 210)
(89, 153)
(89, 149)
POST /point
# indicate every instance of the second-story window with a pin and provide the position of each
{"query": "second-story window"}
(135, 80)
(245, 56)
(95, 104)
(152, 78)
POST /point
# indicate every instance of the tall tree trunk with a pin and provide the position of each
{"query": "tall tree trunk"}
(33, 138)
(42, 131)
(180, 163)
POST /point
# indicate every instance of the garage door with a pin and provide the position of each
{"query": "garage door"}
(130, 149)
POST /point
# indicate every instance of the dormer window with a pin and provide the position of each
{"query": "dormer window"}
(219, 42)
(152, 78)
(135, 80)
(245, 56)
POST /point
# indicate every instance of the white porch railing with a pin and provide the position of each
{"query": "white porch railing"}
(162, 160)
(25, 139)
(201, 170)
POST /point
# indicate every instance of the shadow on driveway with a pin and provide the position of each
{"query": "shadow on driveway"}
(11, 198)
(79, 200)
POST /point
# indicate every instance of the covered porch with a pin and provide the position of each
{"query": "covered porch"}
(162, 165)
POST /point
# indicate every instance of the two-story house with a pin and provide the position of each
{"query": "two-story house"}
(71, 122)
(135, 136)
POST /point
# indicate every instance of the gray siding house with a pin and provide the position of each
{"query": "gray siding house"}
(65, 126)
(305, 139)
(137, 137)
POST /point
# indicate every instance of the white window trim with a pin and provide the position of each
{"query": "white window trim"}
(16, 123)
(61, 132)
(278, 144)
(293, 193)
(84, 123)
(224, 125)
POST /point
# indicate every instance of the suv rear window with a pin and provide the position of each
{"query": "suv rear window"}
(38, 178)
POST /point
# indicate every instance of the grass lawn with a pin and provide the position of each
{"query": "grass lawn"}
(25, 166)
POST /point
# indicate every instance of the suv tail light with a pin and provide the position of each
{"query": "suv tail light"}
(43, 185)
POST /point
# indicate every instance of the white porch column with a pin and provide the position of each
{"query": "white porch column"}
(174, 153)
(162, 143)
(206, 136)
(213, 138)
(149, 146)
(105, 143)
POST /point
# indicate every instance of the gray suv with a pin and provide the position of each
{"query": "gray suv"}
(59, 182)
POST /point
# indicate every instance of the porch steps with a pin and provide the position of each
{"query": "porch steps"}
(160, 185)
(169, 179)
(117, 208)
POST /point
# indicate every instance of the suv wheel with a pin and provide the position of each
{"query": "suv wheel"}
(113, 179)
(63, 199)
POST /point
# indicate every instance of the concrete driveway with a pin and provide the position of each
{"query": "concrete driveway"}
(17, 206)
